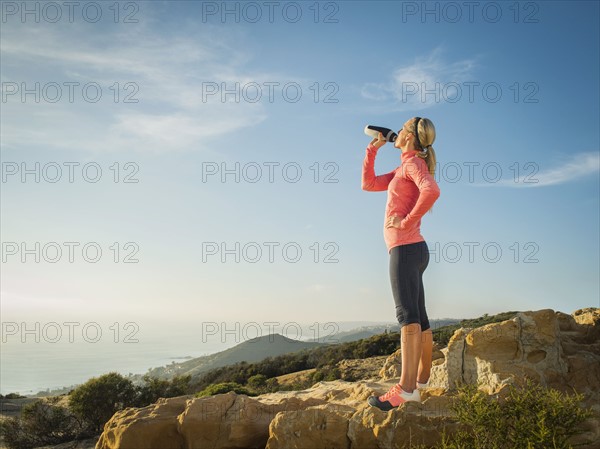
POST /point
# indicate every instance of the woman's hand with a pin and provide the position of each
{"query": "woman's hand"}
(393, 221)
(379, 142)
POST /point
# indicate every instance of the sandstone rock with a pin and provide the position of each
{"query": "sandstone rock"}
(322, 426)
(348, 422)
(392, 367)
(330, 414)
(530, 345)
(555, 349)
(234, 421)
(407, 426)
(581, 351)
(589, 324)
(151, 427)
(219, 421)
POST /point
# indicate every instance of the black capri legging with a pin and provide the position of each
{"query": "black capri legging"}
(407, 264)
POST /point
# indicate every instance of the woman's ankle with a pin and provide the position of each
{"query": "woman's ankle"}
(407, 391)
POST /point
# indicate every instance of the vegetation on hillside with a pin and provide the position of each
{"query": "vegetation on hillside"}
(324, 359)
(87, 408)
(12, 396)
(252, 350)
(41, 423)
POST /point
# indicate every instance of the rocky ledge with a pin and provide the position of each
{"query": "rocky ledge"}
(558, 350)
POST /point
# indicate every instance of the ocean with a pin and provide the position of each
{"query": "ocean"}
(28, 366)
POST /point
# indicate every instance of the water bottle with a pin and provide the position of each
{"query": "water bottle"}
(373, 131)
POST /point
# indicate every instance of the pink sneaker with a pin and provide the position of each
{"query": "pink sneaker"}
(394, 398)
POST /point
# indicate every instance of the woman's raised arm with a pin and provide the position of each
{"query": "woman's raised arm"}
(371, 182)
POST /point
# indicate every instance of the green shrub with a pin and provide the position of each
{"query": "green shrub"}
(13, 396)
(155, 388)
(41, 423)
(260, 384)
(530, 417)
(272, 385)
(257, 381)
(224, 387)
(100, 397)
(326, 373)
(15, 435)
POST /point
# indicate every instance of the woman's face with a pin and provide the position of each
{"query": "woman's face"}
(404, 136)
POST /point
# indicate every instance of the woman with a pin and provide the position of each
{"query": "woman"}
(412, 190)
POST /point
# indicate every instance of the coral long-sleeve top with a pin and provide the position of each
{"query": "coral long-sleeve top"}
(411, 192)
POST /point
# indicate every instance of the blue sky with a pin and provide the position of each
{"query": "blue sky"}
(544, 124)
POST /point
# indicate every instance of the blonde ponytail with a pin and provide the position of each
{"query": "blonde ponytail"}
(425, 134)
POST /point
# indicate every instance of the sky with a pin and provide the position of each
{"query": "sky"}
(171, 164)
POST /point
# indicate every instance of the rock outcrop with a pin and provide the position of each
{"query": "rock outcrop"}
(330, 414)
(495, 354)
(555, 349)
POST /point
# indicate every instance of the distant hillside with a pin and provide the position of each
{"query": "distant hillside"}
(324, 358)
(273, 345)
(369, 331)
(249, 351)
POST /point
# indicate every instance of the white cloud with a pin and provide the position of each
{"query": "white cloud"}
(578, 166)
(408, 85)
(167, 73)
